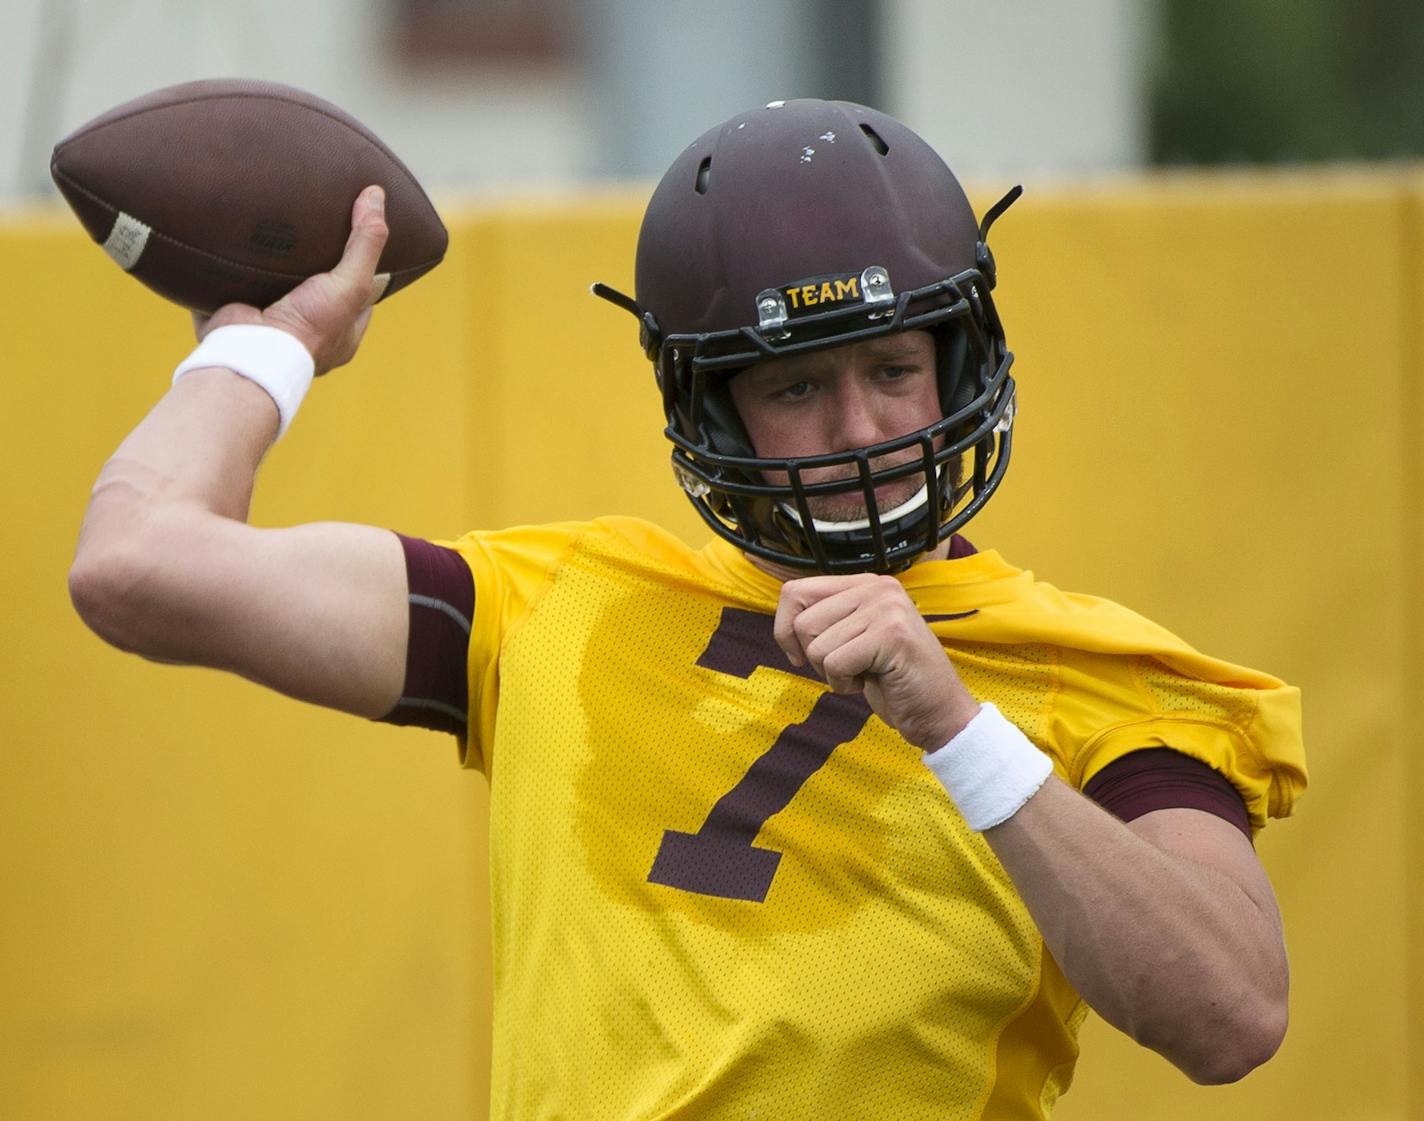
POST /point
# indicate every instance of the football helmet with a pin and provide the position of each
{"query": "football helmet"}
(799, 227)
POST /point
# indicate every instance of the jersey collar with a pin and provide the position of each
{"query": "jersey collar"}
(941, 587)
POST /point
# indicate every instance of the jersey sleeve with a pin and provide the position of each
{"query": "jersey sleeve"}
(1244, 725)
(510, 570)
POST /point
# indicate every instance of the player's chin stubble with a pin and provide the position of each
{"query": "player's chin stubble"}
(851, 507)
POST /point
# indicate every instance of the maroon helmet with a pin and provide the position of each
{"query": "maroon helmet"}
(798, 227)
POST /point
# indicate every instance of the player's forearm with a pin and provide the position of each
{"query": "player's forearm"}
(200, 445)
(191, 460)
(1172, 952)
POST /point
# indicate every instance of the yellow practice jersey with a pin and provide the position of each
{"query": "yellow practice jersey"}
(722, 891)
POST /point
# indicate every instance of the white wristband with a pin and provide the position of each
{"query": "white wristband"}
(990, 769)
(269, 356)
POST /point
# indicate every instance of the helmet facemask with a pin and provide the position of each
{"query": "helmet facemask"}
(765, 504)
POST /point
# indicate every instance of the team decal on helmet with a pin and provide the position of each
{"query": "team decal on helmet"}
(749, 252)
(776, 305)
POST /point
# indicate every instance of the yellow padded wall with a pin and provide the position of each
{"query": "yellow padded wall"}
(224, 904)
(579, 422)
(219, 903)
(1411, 382)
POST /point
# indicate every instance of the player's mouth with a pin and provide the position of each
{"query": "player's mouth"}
(846, 513)
(850, 506)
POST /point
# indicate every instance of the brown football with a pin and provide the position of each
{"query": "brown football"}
(234, 190)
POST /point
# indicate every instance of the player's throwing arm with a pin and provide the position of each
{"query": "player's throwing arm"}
(166, 566)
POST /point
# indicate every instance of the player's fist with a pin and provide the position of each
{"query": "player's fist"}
(863, 634)
(327, 313)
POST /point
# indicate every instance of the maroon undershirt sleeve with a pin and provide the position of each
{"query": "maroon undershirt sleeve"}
(1158, 778)
(441, 592)
(1155, 778)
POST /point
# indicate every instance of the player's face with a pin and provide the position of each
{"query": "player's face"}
(835, 400)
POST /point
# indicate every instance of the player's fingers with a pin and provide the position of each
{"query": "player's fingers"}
(366, 241)
(860, 659)
(821, 648)
(847, 666)
(783, 628)
(816, 617)
(839, 617)
(845, 684)
(796, 597)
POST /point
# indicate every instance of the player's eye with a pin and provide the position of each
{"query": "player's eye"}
(794, 391)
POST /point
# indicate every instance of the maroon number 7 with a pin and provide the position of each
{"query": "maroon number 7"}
(720, 859)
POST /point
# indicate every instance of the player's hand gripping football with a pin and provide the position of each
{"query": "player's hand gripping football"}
(863, 634)
(328, 313)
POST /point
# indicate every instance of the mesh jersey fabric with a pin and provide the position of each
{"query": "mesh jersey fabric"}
(654, 762)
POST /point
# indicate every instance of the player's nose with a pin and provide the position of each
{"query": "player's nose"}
(859, 419)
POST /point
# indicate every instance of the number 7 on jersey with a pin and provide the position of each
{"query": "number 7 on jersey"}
(720, 859)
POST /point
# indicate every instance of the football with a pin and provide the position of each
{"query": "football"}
(234, 190)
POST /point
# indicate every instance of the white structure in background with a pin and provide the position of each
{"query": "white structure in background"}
(63, 62)
(1022, 87)
(1008, 87)
(998, 87)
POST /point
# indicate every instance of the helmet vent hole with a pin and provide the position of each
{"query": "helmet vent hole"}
(874, 138)
(704, 173)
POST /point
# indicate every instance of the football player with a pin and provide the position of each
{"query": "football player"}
(836, 815)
